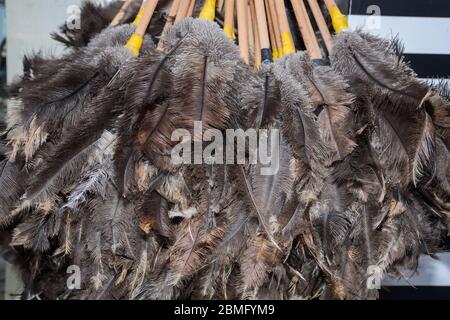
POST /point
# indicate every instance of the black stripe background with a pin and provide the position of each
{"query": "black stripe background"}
(415, 293)
(406, 8)
(430, 65)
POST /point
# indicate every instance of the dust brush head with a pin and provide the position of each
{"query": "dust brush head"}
(437, 191)
(12, 184)
(57, 107)
(86, 111)
(378, 66)
(398, 104)
(331, 197)
(397, 150)
(377, 63)
(205, 68)
(191, 81)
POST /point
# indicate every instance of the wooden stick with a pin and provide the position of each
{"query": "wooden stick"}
(183, 10)
(285, 30)
(242, 6)
(172, 15)
(256, 38)
(321, 23)
(263, 32)
(228, 24)
(339, 20)
(121, 14)
(329, 3)
(191, 8)
(251, 34)
(170, 20)
(306, 29)
(149, 10)
(276, 27)
(273, 42)
(136, 40)
(220, 5)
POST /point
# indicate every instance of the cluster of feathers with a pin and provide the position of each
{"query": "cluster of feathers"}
(87, 178)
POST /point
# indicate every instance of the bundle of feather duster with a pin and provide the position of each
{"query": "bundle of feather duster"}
(362, 190)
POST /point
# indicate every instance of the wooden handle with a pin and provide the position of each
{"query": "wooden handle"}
(273, 42)
(191, 9)
(242, 15)
(149, 10)
(256, 37)
(262, 24)
(329, 3)
(306, 29)
(228, 24)
(276, 28)
(172, 14)
(285, 30)
(220, 4)
(282, 17)
(170, 20)
(251, 33)
(183, 10)
(321, 23)
(121, 14)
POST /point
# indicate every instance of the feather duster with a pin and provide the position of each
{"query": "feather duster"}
(361, 185)
(398, 136)
(396, 99)
(39, 125)
(103, 59)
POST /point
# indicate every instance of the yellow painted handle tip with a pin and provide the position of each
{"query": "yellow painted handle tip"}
(339, 20)
(288, 44)
(209, 10)
(138, 16)
(275, 54)
(135, 44)
(229, 31)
